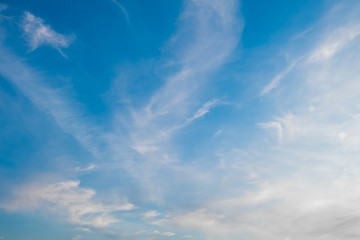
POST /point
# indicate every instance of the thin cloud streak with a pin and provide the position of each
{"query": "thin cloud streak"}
(276, 80)
(205, 108)
(123, 10)
(52, 101)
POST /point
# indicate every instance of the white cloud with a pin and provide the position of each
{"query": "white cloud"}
(37, 33)
(85, 169)
(65, 198)
(84, 229)
(334, 43)
(276, 80)
(169, 234)
(304, 207)
(201, 219)
(288, 127)
(204, 109)
(151, 214)
(143, 148)
(330, 89)
(214, 31)
(297, 209)
(274, 125)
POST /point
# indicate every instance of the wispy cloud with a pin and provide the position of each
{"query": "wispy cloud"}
(215, 32)
(200, 219)
(303, 185)
(85, 169)
(123, 10)
(319, 142)
(204, 109)
(207, 34)
(276, 80)
(169, 234)
(151, 214)
(65, 197)
(274, 125)
(38, 33)
(56, 102)
(296, 209)
(334, 42)
(84, 229)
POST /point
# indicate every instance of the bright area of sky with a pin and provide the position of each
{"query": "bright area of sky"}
(193, 119)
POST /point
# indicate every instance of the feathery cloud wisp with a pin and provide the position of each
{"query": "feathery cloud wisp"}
(38, 33)
(55, 102)
(78, 203)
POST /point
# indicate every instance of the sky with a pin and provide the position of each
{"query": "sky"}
(182, 119)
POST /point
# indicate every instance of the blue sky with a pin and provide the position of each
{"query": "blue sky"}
(194, 119)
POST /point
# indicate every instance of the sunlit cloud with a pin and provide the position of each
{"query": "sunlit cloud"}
(77, 202)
